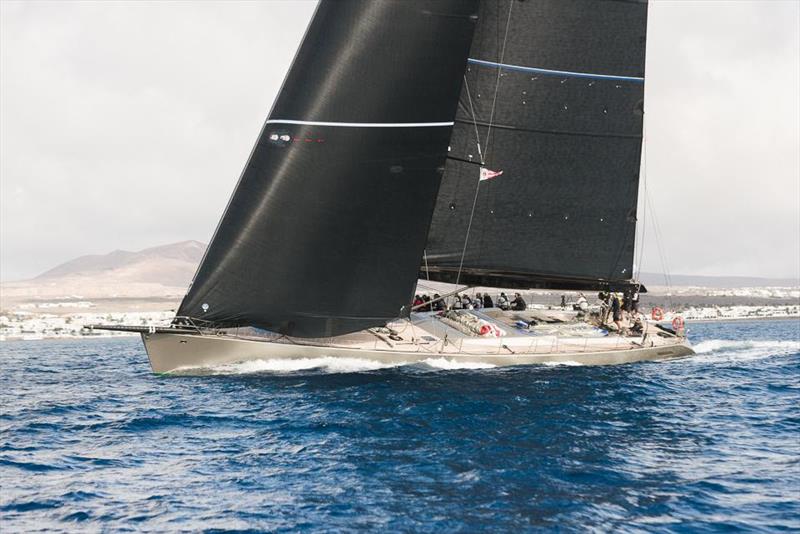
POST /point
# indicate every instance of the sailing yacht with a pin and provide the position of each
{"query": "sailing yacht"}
(491, 143)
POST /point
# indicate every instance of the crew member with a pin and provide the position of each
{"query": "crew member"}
(582, 304)
(605, 306)
(627, 301)
(426, 299)
(635, 302)
(616, 312)
(502, 301)
(518, 304)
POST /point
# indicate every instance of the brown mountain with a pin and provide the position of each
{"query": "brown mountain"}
(170, 265)
(160, 272)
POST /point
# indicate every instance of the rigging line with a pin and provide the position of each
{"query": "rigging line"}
(497, 81)
(474, 120)
(662, 255)
(425, 257)
(469, 227)
(660, 244)
(477, 135)
(442, 297)
(427, 287)
(550, 131)
(665, 267)
(467, 161)
(638, 274)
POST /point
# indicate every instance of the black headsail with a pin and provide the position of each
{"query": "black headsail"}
(326, 228)
(555, 92)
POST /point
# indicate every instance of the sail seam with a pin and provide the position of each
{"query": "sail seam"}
(363, 124)
(554, 132)
(552, 72)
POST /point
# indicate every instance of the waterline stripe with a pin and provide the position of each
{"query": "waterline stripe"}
(363, 124)
(550, 72)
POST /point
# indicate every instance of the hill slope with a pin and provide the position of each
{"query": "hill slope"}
(163, 271)
(136, 266)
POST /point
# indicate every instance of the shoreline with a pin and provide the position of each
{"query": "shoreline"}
(741, 319)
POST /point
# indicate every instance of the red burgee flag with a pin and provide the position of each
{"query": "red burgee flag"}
(487, 174)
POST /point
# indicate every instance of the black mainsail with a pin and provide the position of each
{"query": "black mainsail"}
(553, 96)
(325, 230)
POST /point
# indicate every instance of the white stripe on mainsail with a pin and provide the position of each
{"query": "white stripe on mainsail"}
(363, 124)
(551, 72)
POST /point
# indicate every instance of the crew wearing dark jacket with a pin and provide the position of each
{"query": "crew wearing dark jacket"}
(518, 304)
(487, 301)
(616, 312)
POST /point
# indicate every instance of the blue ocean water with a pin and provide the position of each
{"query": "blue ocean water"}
(91, 440)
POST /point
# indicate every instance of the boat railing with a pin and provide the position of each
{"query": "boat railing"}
(192, 323)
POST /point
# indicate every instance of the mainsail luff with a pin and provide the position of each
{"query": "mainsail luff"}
(563, 122)
(326, 228)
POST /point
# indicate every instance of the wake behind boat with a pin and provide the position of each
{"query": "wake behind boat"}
(480, 143)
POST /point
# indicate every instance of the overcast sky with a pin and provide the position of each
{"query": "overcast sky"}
(125, 125)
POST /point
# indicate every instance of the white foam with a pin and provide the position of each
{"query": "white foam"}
(725, 349)
(568, 363)
(709, 350)
(468, 476)
(326, 363)
(444, 363)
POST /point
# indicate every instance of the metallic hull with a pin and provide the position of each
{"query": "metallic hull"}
(170, 352)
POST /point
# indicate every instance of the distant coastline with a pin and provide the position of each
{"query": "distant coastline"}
(745, 319)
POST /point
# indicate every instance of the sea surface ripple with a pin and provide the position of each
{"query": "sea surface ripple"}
(90, 440)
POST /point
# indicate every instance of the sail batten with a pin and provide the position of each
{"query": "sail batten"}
(553, 132)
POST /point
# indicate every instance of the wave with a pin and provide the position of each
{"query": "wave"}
(708, 350)
(444, 363)
(729, 349)
(330, 364)
(327, 364)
